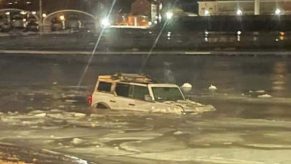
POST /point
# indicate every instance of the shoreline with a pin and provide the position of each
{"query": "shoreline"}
(177, 53)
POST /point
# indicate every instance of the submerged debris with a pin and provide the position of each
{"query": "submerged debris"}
(260, 91)
(178, 133)
(212, 87)
(77, 141)
(186, 87)
(264, 96)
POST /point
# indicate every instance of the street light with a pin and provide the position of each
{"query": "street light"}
(8, 16)
(105, 22)
(238, 35)
(169, 15)
(239, 12)
(62, 17)
(23, 13)
(41, 23)
(206, 13)
(278, 11)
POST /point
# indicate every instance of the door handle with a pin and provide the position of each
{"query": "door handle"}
(131, 104)
(112, 101)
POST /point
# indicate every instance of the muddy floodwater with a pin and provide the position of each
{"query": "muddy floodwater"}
(42, 110)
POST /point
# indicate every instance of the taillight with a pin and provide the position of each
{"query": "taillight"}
(89, 100)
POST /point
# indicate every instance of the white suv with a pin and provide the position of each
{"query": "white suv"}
(139, 93)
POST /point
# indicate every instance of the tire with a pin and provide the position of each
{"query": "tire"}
(99, 108)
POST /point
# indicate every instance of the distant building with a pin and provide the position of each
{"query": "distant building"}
(244, 7)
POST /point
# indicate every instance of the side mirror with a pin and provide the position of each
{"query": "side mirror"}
(148, 98)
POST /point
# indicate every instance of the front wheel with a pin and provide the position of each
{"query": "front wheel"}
(99, 108)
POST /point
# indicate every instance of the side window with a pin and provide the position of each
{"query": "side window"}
(139, 92)
(104, 87)
(122, 90)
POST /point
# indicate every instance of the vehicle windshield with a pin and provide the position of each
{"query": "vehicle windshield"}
(167, 94)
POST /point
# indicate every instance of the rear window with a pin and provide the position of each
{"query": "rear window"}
(122, 90)
(104, 87)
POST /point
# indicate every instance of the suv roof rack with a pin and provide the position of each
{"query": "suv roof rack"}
(127, 77)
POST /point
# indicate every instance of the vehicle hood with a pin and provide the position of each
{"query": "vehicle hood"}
(193, 107)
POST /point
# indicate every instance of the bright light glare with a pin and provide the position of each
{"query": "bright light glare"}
(62, 18)
(278, 12)
(105, 22)
(7, 13)
(238, 38)
(206, 13)
(169, 15)
(44, 15)
(22, 12)
(282, 33)
(238, 32)
(33, 12)
(238, 12)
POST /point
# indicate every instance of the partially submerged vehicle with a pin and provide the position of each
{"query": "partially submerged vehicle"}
(140, 93)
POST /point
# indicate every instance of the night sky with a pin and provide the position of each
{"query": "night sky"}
(85, 5)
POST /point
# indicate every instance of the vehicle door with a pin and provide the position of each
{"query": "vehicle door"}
(122, 99)
(139, 93)
(103, 93)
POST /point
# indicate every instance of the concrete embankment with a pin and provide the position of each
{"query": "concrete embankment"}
(143, 53)
(114, 41)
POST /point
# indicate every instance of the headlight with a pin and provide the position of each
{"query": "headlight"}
(169, 15)
(105, 22)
